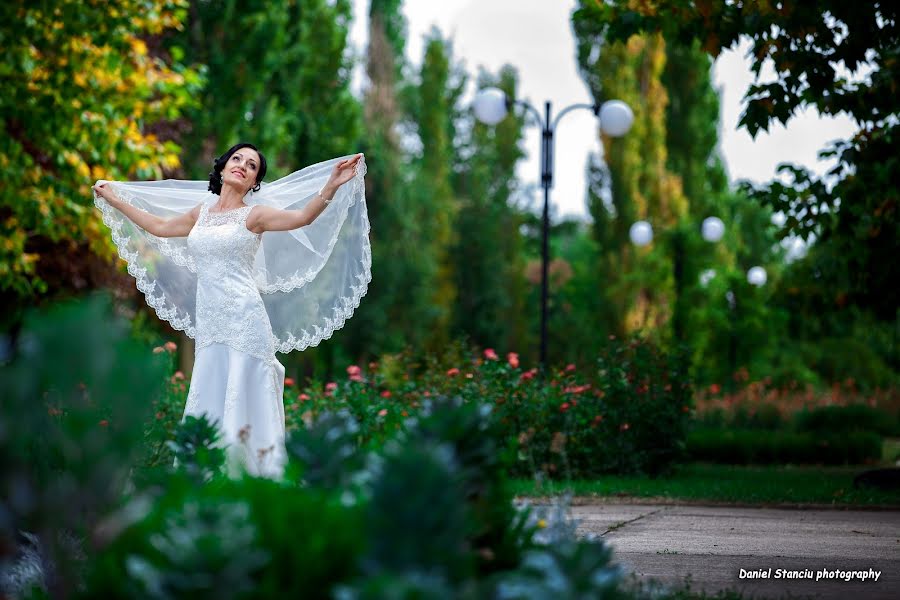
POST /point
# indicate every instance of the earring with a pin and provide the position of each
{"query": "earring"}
(221, 178)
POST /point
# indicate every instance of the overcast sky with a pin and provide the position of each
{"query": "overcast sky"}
(535, 36)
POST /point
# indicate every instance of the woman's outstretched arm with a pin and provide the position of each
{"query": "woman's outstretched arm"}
(267, 218)
(179, 226)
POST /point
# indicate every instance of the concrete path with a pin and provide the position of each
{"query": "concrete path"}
(713, 544)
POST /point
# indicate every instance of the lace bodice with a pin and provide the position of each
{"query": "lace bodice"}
(229, 307)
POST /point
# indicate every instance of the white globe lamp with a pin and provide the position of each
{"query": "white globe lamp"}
(615, 118)
(641, 233)
(756, 276)
(712, 229)
(490, 105)
(707, 276)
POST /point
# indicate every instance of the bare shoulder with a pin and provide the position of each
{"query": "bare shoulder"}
(257, 217)
(194, 214)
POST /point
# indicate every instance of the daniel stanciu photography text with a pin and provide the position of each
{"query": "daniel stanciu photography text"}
(486, 299)
(816, 575)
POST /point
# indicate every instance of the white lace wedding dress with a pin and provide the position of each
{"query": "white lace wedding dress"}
(237, 381)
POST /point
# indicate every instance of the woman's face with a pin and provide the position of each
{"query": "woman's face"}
(241, 170)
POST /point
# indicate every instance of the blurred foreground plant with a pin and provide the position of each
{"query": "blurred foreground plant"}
(75, 398)
(427, 515)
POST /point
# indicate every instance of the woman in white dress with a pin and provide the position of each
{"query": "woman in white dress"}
(237, 380)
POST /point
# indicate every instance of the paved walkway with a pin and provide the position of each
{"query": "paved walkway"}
(713, 544)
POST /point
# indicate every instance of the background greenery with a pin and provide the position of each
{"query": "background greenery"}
(139, 89)
(652, 370)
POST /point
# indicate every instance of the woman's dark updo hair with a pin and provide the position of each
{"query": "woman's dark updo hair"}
(215, 183)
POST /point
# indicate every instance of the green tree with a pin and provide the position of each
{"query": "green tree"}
(635, 179)
(396, 309)
(429, 104)
(667, 170)
(80, 91)
(726, 322)
(854, 208)
(489, 252)
(279, 76)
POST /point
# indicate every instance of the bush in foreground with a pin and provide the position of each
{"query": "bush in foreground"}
(428, 514)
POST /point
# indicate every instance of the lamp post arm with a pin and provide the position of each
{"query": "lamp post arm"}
(548, 138)
(595, 108)
(533, 110)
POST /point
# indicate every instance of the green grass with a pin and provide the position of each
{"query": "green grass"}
(728, 483)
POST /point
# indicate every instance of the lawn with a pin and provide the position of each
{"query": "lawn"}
(763, 485)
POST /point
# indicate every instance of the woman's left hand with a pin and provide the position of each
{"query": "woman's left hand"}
(344, 171)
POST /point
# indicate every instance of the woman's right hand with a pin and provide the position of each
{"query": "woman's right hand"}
(105, 191)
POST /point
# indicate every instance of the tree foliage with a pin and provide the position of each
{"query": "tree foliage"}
(635, 175)
(79, 87)
(667, 170)
(820, 52)
(430, 104)
(279, 76)
(395, 312)
(489, 254)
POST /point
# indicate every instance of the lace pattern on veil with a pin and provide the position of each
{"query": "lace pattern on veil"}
(311, 279)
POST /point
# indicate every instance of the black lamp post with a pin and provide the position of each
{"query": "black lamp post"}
(491, 106)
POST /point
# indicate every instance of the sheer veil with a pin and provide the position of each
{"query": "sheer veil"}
(311, 279)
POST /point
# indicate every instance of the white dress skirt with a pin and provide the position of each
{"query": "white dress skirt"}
(237, 382)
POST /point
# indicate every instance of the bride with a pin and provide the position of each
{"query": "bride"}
(204, 265)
